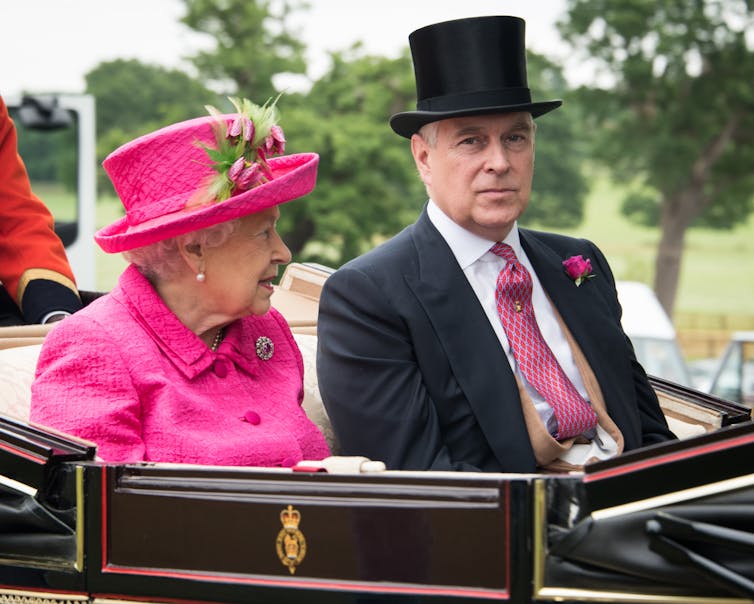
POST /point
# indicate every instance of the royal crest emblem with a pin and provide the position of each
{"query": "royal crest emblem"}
(290, 543)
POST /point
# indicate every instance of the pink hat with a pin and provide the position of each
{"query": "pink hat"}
(159, 176)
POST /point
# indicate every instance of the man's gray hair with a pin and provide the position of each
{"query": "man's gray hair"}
(429, 131)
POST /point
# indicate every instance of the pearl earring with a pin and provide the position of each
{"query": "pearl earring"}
(200, 277)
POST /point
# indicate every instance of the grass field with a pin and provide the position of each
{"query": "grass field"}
(717, 273)
(108, 266)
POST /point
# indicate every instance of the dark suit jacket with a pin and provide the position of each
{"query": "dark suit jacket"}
(411, 372)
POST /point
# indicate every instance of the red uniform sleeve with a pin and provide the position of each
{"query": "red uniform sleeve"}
(29, 247)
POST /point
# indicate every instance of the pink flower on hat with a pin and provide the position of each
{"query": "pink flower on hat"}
(249, 130)
(578, 268)
(235, 128)
(248, 177)
(236, 168)
(275, 142)
(241, 125)
(243, 145)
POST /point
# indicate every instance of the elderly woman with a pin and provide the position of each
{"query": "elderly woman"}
(185, 360)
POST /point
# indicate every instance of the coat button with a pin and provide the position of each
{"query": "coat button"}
(252, 417)
(220, 369)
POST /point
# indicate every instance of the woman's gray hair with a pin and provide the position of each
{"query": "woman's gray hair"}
(162, 260)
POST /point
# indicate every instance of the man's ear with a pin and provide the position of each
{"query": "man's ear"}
(420, 151)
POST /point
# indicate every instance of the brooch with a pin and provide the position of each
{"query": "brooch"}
(265, 348)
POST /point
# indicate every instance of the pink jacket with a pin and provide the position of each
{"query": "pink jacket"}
(125, 373)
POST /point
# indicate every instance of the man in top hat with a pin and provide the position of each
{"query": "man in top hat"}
(466, 342)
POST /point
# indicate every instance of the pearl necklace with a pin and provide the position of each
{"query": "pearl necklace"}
(218, 338)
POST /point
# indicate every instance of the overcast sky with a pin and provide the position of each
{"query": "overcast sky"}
(49, 45)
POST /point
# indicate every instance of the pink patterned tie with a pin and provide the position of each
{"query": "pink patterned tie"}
(535, 359)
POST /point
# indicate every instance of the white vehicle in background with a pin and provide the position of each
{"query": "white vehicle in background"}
(652, 333)
(734, 377)
(57, 141)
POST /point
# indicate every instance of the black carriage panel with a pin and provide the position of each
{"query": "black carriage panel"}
(253, 534)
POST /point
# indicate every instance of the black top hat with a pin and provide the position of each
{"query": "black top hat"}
(469, 67)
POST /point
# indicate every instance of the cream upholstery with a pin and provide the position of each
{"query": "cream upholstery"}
(23, 335)
(684, 429)
(312, 404)
(297, 296)
(16, 374)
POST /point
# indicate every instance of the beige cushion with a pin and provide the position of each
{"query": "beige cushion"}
(17, 366)
(683, 429)
(23, 335)
(312, 404)
(297, 296)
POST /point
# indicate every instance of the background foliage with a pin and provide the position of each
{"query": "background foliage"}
(677, 120)
(672, 121)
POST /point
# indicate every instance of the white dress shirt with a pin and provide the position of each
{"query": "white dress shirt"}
(482, 268)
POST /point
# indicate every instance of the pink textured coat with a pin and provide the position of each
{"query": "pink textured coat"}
(125, 373)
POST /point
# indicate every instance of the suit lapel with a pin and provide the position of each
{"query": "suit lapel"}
(474, 352)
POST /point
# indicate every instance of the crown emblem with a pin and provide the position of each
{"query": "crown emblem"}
(290, 543)
(290, 518)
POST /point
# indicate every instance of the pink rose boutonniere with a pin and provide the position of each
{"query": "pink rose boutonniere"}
(578, 268)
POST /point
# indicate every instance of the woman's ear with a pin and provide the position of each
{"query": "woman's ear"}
(193, 254)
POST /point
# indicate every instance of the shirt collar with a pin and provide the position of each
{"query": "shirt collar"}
(466, 246)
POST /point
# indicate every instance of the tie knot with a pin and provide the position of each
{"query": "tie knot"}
(505, 252)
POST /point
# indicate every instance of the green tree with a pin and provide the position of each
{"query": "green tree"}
(48, 155)
(678, 121)
(134, 98)
(559, 187)
(253, 43)
(367, 187)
